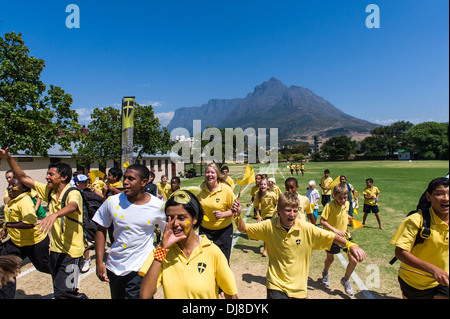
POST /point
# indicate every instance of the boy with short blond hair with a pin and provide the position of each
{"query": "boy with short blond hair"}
(335, 219)
(290, 242)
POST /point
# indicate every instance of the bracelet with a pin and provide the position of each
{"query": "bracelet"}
(160, 253)
(348, 245)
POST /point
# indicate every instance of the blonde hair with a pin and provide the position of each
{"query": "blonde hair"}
(288, 199)
(312, 183)
(220, 177)
(339, 189)
(259, 193)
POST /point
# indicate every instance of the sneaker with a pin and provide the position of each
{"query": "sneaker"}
(325, 279)
(347, 285)
(86, 265)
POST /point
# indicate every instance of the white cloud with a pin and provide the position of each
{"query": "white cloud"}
(149, 102)
(165, 117)
(84, 115)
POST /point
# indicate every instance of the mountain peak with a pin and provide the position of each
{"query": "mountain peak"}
(297, 112)
(272, 85)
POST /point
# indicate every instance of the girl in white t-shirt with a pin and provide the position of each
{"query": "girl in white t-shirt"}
(313, 196)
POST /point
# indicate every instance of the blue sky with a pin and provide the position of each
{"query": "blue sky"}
(176, 54)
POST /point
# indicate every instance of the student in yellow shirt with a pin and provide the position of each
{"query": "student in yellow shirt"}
(371, 197)
(324, 184)
(335, 218)
(114, 183)
(40, 211)
(216, 198)
(292, 167)
(163, 188)
(297, 167)
(424, 271)
(290, 242)
(265, 205)
(302, 168)
(225, 171)
(188, 266)
(20, 219)
(65, 224)
(304, 210)
(273, 186)
(254, 190)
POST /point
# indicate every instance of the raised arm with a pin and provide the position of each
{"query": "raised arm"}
(17, 171)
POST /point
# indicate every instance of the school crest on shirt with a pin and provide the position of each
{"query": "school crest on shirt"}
(201, 267)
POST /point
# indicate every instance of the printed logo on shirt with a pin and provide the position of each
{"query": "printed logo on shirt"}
(298, 241)
(201, 267)
(217, 200)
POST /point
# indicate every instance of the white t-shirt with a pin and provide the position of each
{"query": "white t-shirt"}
(312, 196)
(134, 227)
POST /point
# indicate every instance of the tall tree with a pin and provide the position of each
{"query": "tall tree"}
(393, 137)
(31, 119)
(430, 140)
(339, 147)
(104, 139)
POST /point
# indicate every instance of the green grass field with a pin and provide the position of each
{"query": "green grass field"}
(401, 184)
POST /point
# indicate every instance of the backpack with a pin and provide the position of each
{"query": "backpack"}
(423, 232)
(91, 203)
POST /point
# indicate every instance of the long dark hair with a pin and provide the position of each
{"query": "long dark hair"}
(190, 204)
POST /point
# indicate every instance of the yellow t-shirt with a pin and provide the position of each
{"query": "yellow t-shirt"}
(290, 253)
(230, 182)
(164, 190)
(254, 190)
(371, 192)
(198, 277)
(221, 199)
(99, 184)
(336, 215)
(267, 204)
(277, 190)
(325, 182)
(434, 250)
(304, 207)
(21, 209)
(70, 239)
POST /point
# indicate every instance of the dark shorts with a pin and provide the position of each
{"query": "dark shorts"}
(124, 287)
(336, 249)
(325, 199)
(223, 238)
(276, 294)
(413, 293)
(370, 209)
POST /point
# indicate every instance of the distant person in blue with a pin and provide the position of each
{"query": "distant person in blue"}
(351, 193)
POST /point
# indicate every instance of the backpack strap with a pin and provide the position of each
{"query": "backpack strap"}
(63, 204)
(424, 230)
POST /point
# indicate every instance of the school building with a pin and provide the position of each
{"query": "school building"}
(36, 166)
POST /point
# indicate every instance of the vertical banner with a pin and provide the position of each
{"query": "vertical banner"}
(127, 131)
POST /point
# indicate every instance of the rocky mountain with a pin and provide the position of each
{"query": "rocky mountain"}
(297, 112)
